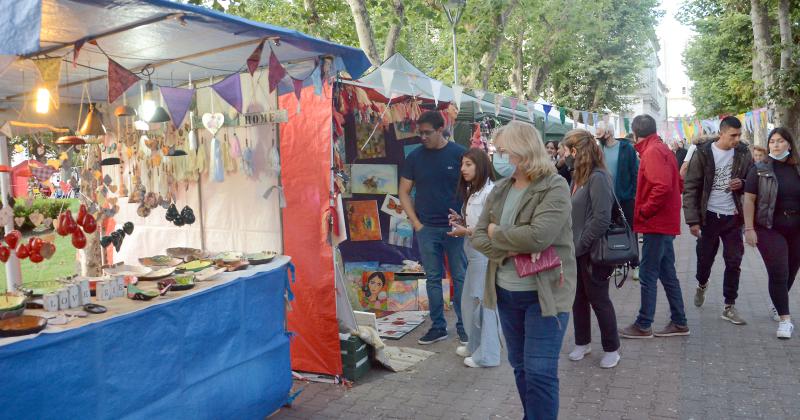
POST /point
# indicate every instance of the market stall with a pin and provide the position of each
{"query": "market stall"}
(175, 150)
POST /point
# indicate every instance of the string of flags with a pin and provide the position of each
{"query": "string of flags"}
(690, 127)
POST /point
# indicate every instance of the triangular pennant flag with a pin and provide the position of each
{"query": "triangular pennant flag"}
(748, 121)
(387, 77)
(547, 108)
(585, 115)
(479, 94)
(316, 79)
(498, 102)
(230, 89)
(178, 101)
(119, 80)
(514, 103)
(298, 91)
(595, 119)
(50, 72)
(458, 90)
(436, 90)
(276, 71)
(255, 58)
(763, 117)
(5, 130)
(679, 129)
(76, 51)
(562, 114)
(5, 62)
(531, 107)
(575, 116)
(412, 83)
(756, 119)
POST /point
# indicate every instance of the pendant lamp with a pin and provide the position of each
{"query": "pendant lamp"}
(93, 124)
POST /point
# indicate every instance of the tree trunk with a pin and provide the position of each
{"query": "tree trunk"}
(763, 43)
(759, 134)
(536, 80)
(515, 78)
(366, 37)
(789, 113)
(312, 18)
(394, 31)
(490, 56)
(89, 257)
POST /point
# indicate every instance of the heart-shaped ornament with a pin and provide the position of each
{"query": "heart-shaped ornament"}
(47, 222)
(6, 215)
(19, 221)
(36, 218)
(213, 122)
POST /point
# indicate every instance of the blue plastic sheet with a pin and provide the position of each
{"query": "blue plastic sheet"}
(220, 353)
(20, 24)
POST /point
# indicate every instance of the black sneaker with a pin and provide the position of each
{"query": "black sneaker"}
(433, 335)
(463, 338)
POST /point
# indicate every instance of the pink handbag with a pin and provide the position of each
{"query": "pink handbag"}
(548, 260)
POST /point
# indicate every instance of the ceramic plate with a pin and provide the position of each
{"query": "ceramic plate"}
(257, 258)
(157, 273)
(186, 254)
(11, 302)
(209, 273)
(233, 265)
(127, 270)
(22, 325)
(160, 261)
(229, 256)
(196, 265)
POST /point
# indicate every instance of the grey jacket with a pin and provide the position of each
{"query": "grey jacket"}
(541, 219)
(591, 210)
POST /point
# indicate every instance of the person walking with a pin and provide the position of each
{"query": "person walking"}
(772, 221)
(712, 207)
(623, 165)
(564, 163)
(592, 203)
(657, 218)
(434, 170)
(526, 214)
(482, 324)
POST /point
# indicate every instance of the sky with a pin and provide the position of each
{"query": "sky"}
(673, 37)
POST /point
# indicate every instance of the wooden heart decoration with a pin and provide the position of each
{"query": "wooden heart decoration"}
(19, 221)
(47, 222)
(36, 218)
(6, 215)
(213, 122)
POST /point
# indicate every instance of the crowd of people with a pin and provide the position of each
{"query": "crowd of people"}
(549, 210)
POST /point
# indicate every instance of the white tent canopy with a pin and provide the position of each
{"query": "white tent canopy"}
(397, 77)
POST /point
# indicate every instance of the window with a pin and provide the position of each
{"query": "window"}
(683, 90)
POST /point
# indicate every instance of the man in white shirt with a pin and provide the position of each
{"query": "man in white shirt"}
(712, 207)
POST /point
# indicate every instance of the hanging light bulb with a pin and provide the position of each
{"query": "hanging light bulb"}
(42, 100)
(148, 107)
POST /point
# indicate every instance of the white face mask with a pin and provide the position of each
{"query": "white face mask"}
(780, 156)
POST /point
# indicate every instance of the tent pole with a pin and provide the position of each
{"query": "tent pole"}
(200, 218)
(13, 272)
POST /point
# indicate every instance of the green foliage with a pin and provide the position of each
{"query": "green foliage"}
(49, 207)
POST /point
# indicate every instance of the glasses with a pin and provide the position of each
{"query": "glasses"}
(426, 133)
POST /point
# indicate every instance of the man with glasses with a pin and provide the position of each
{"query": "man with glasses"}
(434, 171)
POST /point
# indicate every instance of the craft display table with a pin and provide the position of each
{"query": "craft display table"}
(217, 351)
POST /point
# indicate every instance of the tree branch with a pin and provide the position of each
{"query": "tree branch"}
(366, 37)
(489, 58)
(394, 31)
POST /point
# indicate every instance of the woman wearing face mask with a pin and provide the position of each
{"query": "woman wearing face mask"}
(525, 214)
(482, 324)
(772, 221)
(564, 163)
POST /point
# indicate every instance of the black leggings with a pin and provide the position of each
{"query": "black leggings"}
(592, 292)
(780, 249)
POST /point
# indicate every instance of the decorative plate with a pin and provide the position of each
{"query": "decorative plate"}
(126, 270)
(178, 283)
(158, 273)
(160, 261)
(209, 273)
(136, 293)
(263, 257)
(196, 265)
(11, 302)
(21, 325)
(186, 254)
(229, 256)
(233, 265)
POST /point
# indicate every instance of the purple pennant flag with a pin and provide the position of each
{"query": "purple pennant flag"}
(230, 89)
(178, 101)
(276, 71)
(255, 58)
(298, 87)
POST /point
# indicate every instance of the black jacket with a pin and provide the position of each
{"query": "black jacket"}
(700, 179)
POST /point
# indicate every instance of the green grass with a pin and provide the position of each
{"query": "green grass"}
(63, 263)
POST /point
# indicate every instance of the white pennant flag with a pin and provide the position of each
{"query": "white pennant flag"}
(5, 130)
(498, 102)
(458, 90)
(387, 77)
(479, 94)
(531, 106)
(436, 90)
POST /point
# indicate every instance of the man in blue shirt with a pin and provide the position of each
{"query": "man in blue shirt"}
(434, 170)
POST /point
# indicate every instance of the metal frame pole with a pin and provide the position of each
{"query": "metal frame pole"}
(13, 271)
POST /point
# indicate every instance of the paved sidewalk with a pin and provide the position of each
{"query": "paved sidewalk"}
(721, 371)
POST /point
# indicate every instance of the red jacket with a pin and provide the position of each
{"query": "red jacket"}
(658, 191)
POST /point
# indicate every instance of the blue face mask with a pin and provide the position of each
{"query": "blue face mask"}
(502, 165)
(781, 156)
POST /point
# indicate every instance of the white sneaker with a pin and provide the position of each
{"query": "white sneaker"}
(609, 360)
(462, 351)
(785, 329)
(579, 352)
(471, 363)
(773, 313)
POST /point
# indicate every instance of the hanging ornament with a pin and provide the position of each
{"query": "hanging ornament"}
(217, 169)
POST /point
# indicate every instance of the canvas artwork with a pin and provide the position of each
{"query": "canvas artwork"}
(374, 293)
(373, 179)
(401, 232)
(363, 221)
(353, 272)
(370, 141)
(405, 130)
(393, 207)
(397, 325)
(403, 295)
(423, 294)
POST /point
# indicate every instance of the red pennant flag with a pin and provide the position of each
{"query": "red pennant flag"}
(298, 87)
(276, 71)
(255, 58)
(119, 80)
(75, 52)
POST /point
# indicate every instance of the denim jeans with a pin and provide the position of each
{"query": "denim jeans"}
(433, 245)
(658, 262)
(482, 324)
(727, 229)
(534, 343)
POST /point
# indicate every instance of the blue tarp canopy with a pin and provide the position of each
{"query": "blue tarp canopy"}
(181, 40)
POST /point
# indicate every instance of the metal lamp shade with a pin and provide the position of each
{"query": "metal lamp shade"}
(110, 161)
(124, 111)
(93, 124)
(160, 116)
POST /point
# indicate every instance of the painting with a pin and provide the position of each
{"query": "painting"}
(403, 295)
(370, 141)
(362, 218)
(405, 129)
(353, 272)
(401, 232)
(373, 179)
(393, 207)
(374, 293)
(398, 324)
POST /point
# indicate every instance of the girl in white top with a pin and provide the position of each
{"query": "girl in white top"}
(482, 325)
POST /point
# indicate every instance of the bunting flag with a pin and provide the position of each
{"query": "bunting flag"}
(458, 90)
(627, 122)
(76, 51)
(276, 71)
(575, 117)
(255, 58)
(230, 89)
(514, 104)
(698, 128)
(316, 79)
(120, 79)
(5, 130)
(498, 102)
(748, 121)
(412, 83)
(531, 107)
(50, 72)
(436, 90)
(756, 119)
(585, 115)
(178, 101)
(595, 119)
(387, 77)
(562, 114)
(479, 94)
(298, 90)
(547, 108)
(5, 62)
(679, 129)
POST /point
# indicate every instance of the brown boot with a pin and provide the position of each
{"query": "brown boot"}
(672, 330)
(633, 331)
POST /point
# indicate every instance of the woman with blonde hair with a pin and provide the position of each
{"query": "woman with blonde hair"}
(592, 203)
(527, 214)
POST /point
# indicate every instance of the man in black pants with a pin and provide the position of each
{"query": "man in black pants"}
(712, 206)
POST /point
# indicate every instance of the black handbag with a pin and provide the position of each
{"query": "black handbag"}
(618, 246)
